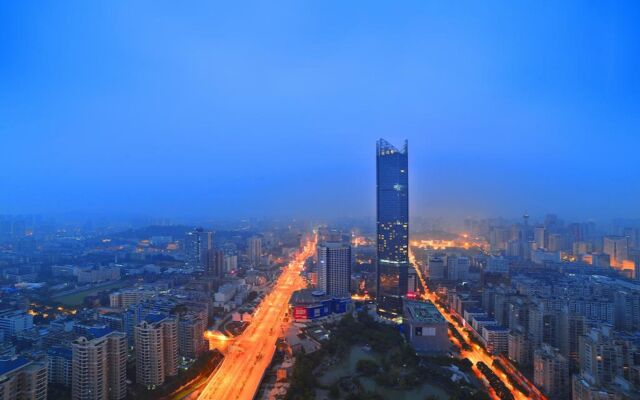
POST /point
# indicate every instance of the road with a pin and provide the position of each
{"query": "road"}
(239, 376)
(477, 353)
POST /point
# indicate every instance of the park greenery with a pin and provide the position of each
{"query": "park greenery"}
(398, 368)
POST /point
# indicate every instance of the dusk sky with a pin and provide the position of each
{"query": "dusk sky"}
(179, 109)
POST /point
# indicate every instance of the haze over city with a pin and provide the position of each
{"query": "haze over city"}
(163, 110)
(319, 200)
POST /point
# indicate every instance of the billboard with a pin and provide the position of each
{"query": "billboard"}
(300, 313)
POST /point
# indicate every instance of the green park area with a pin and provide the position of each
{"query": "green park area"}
(367, 360)
(76, 298)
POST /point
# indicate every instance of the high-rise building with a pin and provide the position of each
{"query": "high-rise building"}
(436, 268)
(334, 269)
(458, 268)
(99, 367)
(633, 236)
(520, 348)
(540, 237)
(196, 247)
(557, 242)
(627, 310)
(551, 372)
(617, 247)
(156, 344)
(392, 225)
(117, 365)
(254, 250)
(581, 248)
(607, 355)
(191, 341)
(59, 360)
(22, 379)
(230, 263)
(215, 263)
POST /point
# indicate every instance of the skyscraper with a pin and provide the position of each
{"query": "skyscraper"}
(392, 223)
(334, 269)
(197, 246)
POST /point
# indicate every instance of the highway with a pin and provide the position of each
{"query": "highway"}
(477, 353)
(239, 375)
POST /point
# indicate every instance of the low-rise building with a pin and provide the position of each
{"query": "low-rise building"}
(425, 327)
(309, 304)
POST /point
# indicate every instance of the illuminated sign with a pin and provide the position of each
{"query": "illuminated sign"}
(300, 313)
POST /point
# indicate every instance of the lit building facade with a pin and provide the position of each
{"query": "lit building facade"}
(617, 247)
(197, 245)
(334, 269)
(392, 225)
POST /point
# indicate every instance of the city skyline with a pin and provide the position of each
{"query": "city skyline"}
(532, 111)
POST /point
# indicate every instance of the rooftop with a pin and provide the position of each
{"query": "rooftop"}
(483, 318)
(422, 311)
(385, 148)
(309, 296)
(496, 328)
(11, 364)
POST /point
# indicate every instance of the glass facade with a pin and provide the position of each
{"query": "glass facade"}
(392, 226)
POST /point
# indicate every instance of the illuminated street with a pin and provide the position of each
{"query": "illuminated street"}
(241, 371)
(477, 353)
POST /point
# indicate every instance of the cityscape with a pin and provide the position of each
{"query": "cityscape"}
(249, 229)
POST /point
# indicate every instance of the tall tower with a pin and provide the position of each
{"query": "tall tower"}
(392, 224)
(334, 269)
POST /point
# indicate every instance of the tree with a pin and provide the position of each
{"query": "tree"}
(334, 391)
(367, 367)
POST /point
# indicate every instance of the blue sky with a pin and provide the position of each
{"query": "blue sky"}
(273, 108)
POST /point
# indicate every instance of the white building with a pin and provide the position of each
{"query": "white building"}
(334, 269)
(15, 321)
(617, 247)
(99, 367)
(458, 268)
(156, 345)
(496, 339)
